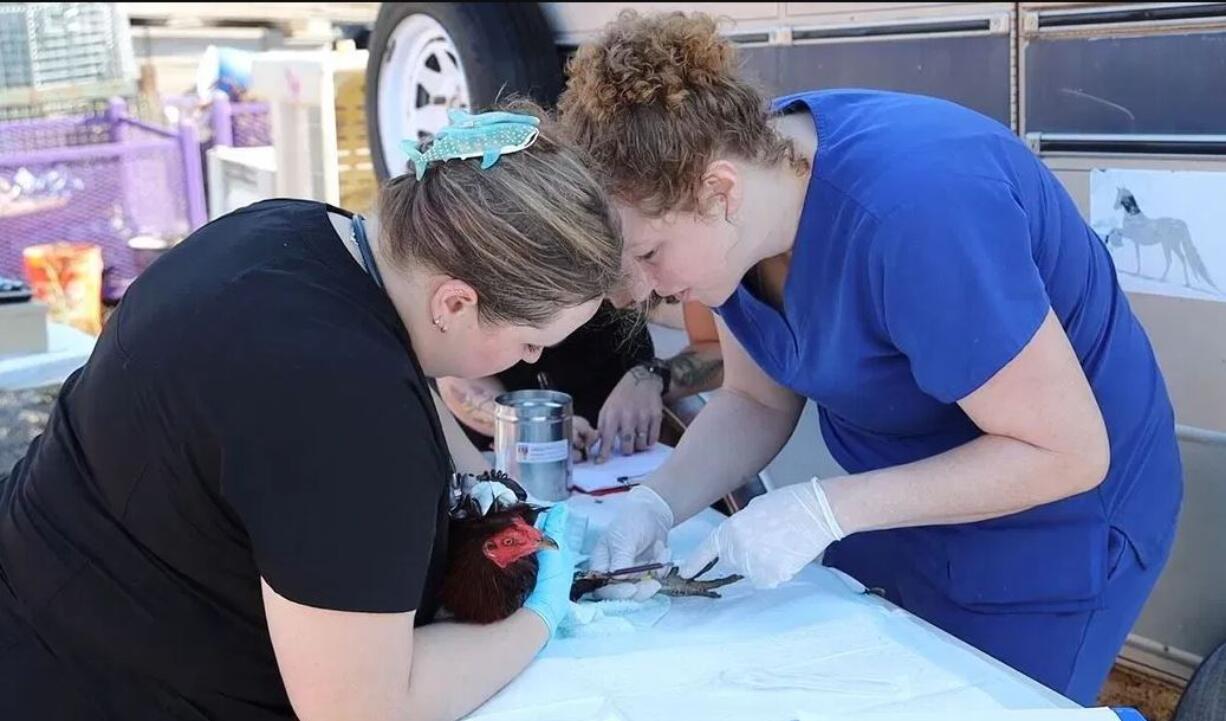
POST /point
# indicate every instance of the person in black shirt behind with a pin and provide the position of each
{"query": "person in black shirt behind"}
(609, 368)
(238, 509)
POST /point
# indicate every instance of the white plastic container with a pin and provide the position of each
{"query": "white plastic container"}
(239, 177)
(317, 116)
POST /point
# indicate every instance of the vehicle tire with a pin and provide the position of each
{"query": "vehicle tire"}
(426, 58)
(1205, 697)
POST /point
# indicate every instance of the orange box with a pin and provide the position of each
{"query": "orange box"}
(68, 278)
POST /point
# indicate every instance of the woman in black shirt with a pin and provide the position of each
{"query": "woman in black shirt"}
(238, 507)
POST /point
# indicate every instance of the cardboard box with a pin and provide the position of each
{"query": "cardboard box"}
(23, 328)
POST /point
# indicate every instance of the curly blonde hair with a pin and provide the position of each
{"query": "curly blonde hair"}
(656, 98)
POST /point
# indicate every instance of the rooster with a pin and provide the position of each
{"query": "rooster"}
(491, 557)
(491, 549)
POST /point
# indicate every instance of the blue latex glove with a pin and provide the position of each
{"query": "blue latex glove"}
(550, 599)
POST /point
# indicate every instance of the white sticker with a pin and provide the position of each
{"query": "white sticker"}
(1163, 229)
(550, 452)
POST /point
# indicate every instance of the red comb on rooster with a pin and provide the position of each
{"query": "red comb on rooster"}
(491, 557)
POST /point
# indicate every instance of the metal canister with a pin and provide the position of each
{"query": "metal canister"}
(532, 439)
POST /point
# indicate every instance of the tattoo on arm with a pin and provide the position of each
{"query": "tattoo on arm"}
(696, 370)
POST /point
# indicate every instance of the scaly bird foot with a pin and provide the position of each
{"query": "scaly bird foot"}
(677, 587)
(672, 584)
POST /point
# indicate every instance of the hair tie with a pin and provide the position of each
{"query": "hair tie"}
(488, 136)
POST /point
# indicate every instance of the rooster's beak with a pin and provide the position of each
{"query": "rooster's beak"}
(547, 542)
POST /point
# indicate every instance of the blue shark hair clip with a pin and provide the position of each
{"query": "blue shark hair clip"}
(488, 136)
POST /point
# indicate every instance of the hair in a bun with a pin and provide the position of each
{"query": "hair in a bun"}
(655, 61)
(655, 98)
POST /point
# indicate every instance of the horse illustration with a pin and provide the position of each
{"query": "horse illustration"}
(1171, 233)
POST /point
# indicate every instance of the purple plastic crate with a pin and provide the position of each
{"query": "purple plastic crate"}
(223, 121)
(96, 180)
(240, 125)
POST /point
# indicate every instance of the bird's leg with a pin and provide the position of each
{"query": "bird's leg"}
(676, 586)
(671, 584)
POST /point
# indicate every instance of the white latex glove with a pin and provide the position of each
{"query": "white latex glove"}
(774, 537)
(638, 534)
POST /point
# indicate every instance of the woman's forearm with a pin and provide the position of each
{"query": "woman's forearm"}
(1044, 440)
(472, 401)
(697, 369)
(349, 665)
(989, 477)
(706, 465)
(464, 454)
(457, 667)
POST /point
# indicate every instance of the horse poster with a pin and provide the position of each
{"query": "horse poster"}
(1166, 230)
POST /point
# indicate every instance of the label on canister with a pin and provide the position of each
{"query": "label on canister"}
(550, 452)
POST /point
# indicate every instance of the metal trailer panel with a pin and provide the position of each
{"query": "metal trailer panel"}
(926, 65)
(857, 12)
(1095, 67)
(575, 22)
(1125, 84)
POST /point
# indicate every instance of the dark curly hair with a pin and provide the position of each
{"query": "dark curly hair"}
(656, 98)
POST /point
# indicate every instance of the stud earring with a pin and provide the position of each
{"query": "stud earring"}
(439, 324)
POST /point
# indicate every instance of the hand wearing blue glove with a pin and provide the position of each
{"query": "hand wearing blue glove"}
(550, 599)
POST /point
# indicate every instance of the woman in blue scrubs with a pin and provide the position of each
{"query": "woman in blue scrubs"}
(1011, 468)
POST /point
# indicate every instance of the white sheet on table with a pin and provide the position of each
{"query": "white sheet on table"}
(601, 619)
(832, 648)
(1075, 714)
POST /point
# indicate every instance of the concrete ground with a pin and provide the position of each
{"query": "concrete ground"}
(22, 417)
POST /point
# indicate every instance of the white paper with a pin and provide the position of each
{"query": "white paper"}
(589, 476)
(1166, 230)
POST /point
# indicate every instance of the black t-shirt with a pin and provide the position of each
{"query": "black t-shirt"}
(253, 408)
(587, 365)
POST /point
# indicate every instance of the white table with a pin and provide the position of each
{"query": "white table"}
(816, 644)
(68, 349)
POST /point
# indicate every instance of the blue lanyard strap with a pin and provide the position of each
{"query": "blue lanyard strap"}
(368, 258)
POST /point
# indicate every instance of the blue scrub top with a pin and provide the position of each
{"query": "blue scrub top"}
(931, 245)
